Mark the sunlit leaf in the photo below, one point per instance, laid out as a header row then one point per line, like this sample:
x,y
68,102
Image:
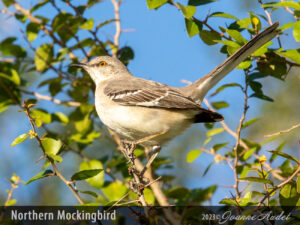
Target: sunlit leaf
x,y
257,179
192,27
220,104
19,139
40,175
228,201
43,56
114,190
154,4
98,180
209,37
223,15
215,131
88,25
51,145
192,155
288,195
287,156
187,10
32,31
249,122
291,4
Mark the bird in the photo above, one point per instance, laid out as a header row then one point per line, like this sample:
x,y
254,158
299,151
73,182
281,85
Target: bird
x,y
140,109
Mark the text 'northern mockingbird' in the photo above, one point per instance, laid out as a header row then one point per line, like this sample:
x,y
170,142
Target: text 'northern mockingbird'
x,y
136,108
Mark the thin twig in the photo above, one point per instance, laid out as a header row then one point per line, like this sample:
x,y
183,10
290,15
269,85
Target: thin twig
x,y
238,134
283,131
52,99
279,185
32,18
57,173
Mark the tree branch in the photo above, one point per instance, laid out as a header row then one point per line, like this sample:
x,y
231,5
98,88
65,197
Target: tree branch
x,y
116,5
57,172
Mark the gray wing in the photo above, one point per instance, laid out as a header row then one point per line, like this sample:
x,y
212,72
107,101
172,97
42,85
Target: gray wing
x,y
140,92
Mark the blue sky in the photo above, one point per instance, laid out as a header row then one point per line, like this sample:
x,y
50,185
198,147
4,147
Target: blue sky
x,y
164,53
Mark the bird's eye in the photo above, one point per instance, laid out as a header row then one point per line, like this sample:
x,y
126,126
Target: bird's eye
x,y
102,63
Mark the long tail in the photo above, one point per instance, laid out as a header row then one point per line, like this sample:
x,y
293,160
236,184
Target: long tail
x,y
199,88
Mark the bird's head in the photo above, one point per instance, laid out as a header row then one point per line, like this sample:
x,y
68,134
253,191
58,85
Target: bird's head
x,y
103,67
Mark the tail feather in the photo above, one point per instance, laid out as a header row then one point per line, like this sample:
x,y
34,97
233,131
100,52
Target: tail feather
x,y
199,88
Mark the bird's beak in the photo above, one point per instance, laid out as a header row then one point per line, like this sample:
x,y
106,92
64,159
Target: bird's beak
x,y
81,65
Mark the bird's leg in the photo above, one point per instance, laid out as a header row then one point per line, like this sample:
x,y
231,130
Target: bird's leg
x,y
155,151
128,150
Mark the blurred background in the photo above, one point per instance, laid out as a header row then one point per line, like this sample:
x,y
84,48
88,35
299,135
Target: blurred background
x,y
164,53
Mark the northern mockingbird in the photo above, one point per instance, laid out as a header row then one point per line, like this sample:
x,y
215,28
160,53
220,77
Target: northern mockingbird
x,y
137,108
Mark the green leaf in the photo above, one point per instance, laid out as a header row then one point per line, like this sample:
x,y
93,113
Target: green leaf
x,y
208,168
154,4
85,125
187,10
209,37
114,190
42,115
236,35
19,139
51,146
216,147
91,193
219,89
293,54
88,25
178,193
220,105
39,5
263,49
288,195
98,180
43,57
200,2
149,196
56,158
245,64
296,31
279,148
11,202
287,26
9,49
85,139
207,141
192,155
8,2
59,116
66,25
291,4
287,156
85,174
125,54
223,15
250,122
215,131
257,179
40,175
249,153
298,183
32,31
193,27
14,77
228,201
